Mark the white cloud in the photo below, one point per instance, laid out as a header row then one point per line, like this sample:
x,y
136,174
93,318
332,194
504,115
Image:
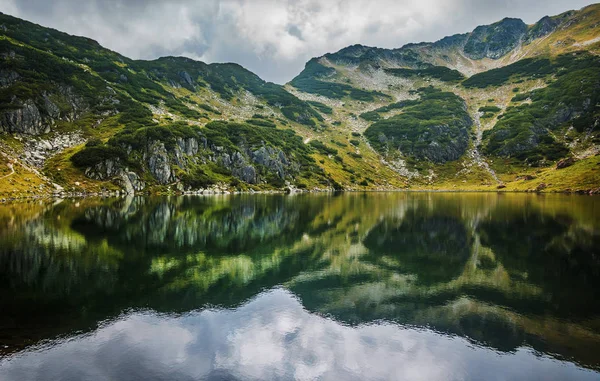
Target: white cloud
x,y
273,38
272,337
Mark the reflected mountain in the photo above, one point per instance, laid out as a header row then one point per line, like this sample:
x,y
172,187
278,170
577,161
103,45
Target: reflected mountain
x,y
431,246
503,271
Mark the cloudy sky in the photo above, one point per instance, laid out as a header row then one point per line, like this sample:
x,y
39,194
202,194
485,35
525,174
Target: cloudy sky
x,y
273,38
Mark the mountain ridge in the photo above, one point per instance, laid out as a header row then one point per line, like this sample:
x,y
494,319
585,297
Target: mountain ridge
x,y
78,118
543,27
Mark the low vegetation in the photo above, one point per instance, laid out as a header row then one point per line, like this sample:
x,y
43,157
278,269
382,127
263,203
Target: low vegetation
x,y
530,131
442,73
433,128
310,81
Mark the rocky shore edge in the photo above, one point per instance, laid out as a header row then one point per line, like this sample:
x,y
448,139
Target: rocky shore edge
x,y
288,190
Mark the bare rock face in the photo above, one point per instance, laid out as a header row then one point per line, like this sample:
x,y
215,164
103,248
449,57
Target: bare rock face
x,y
273,159
36,116
158,162
545,26
185,150
247,174
25,119
185,76
104,170
37,150
8,77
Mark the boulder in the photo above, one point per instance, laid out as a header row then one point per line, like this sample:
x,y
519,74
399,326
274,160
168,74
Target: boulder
x,y
564,163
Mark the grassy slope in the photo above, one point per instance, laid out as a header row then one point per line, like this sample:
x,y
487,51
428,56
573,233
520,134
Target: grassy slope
x,y
204,102
465,173
353,166
580,33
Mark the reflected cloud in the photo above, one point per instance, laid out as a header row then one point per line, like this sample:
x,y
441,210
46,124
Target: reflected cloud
x,y
505,272
272,337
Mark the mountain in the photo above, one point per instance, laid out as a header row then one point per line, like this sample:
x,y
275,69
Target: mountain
x,y
507,105
503,105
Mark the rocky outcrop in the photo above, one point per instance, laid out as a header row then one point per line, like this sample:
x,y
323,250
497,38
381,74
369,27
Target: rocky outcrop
x,y
185,76
37,116
243,166
131,182
496,40
158,162
239,166
184,149
105,170
545,26
37,150
8,77
273,159
24,118
114,170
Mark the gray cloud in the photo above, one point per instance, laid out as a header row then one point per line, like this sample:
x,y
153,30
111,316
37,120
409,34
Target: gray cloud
x,y
273,38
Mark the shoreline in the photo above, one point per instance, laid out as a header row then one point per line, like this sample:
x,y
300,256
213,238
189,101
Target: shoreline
x,y
115,194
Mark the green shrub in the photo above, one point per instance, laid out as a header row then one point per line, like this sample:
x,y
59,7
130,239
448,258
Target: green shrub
x,y
197,179
261,122
492,109
321,107
438,72
523,131
322,148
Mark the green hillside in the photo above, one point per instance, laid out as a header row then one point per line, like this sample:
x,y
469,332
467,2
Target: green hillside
x,y
504,106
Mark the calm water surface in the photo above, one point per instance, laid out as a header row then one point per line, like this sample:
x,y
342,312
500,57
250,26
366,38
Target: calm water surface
x,y
400,286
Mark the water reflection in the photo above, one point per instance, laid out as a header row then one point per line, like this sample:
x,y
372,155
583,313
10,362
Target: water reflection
x,y
273,337
518,274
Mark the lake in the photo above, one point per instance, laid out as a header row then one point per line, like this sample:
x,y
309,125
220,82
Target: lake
x,y
377,286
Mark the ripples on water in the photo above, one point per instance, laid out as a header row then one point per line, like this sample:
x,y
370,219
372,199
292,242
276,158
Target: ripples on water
x,y
401,286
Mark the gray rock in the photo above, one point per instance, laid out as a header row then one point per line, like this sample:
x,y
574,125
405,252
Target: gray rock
x,y
131,182
104,170
247,174
51,108
545,26
8,77
26,119
495,40
158,162
186,78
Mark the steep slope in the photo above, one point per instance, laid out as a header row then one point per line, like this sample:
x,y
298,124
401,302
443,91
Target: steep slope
x,y
529,90
507,105
486,47
77,116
